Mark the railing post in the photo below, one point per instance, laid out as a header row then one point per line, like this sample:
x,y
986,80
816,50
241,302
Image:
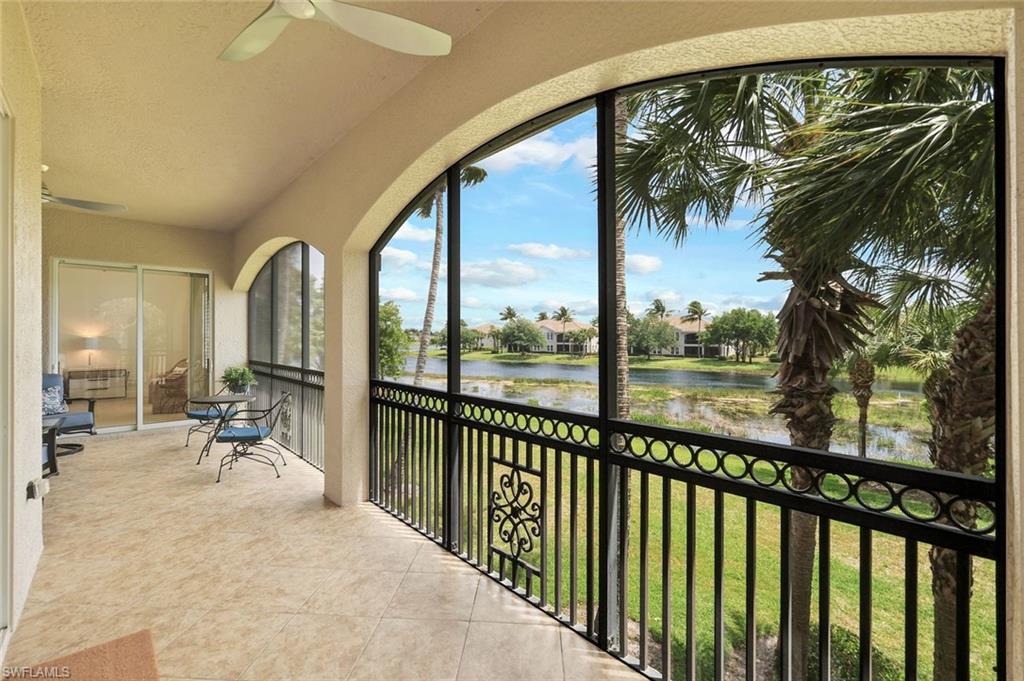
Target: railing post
x,y
609,496
453,443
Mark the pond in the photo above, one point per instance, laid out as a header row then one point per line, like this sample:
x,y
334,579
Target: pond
x,y
883,442
478,368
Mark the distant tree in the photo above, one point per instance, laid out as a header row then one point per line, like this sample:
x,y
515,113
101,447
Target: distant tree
x,y
392,341
658,309
495,336
695,311
580,338
747,332
594,321
521,335
541,316
508,314
469,339
649,334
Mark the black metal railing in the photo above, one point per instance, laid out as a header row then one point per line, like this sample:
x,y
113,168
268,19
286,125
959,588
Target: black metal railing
x,y
671,549
301,426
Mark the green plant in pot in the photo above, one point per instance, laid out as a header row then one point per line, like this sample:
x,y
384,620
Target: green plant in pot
x,y
238,379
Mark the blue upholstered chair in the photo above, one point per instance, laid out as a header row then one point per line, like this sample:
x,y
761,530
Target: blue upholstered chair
x,y
75,422
248,432
206,417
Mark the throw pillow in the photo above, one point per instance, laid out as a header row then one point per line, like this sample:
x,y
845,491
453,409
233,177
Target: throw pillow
x,y
53,401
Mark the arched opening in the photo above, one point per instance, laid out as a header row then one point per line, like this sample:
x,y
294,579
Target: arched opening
x,y
286,344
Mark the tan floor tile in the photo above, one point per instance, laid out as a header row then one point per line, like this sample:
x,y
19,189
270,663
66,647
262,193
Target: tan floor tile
x,y
495,603
273,589
424,595
313,648
356,593
583,661
511,652
433,558
58,629
221,645
412,650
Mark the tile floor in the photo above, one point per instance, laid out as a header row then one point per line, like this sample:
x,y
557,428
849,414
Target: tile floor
x,y
260,579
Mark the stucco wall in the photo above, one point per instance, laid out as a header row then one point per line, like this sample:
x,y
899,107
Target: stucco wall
x,y
20,82
74,234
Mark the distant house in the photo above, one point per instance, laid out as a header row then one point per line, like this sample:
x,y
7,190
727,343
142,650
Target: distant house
x,y
554,333
688,339
486,342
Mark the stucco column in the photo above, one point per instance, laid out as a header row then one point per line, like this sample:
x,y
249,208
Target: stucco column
x,y
346,393
1014,469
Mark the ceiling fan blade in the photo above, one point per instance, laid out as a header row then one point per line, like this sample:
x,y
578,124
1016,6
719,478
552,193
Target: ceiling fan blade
x,y
386,30
258,35
97,206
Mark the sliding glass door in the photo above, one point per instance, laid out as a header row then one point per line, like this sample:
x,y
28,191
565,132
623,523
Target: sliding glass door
x,y
98,340
134,339
175,347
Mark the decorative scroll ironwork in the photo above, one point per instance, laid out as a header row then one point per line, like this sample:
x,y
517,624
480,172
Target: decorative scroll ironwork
x,y
969,513
516,513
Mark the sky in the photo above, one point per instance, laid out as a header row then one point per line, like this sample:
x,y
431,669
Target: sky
x,y
529,240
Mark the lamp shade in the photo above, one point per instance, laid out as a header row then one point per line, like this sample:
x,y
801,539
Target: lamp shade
x,y
91,343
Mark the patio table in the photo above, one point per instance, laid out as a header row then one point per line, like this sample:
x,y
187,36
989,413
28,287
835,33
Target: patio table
x,y
222,403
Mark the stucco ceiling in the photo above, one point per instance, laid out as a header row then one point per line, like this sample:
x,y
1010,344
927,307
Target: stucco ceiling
x,y
138,110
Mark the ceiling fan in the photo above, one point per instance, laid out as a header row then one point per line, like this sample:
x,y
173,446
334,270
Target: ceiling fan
x,y
386,30
97,206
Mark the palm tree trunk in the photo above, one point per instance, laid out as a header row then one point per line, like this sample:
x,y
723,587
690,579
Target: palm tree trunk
x,y
862,376
962,406
435,274
806,403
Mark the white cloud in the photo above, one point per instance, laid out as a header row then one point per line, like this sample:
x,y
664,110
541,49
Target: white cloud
x,y
399,293
397,256
472,302
548,251
642,264
544,150
501,273
667,297
412,233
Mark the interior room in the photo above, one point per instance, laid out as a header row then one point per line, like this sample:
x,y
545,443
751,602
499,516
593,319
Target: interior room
x,y
496,340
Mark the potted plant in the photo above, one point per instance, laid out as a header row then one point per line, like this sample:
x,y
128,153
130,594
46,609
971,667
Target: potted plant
x,y
238,379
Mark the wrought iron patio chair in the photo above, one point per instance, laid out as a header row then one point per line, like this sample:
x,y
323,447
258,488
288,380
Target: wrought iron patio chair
x,y
207,416
248,432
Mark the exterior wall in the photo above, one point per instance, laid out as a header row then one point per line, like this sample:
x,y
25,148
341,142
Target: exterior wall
x,y
528,58
74,234
19,80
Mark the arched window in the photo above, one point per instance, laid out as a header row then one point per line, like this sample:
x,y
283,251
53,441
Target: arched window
x,y
286,344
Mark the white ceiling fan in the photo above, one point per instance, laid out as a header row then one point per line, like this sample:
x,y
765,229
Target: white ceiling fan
x,y
97,206
386,30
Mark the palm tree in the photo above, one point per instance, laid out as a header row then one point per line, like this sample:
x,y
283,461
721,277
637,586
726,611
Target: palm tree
x,y
862,376
434,204
699,148
658,309
562,314
695,311
508,314
900,183
541,316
